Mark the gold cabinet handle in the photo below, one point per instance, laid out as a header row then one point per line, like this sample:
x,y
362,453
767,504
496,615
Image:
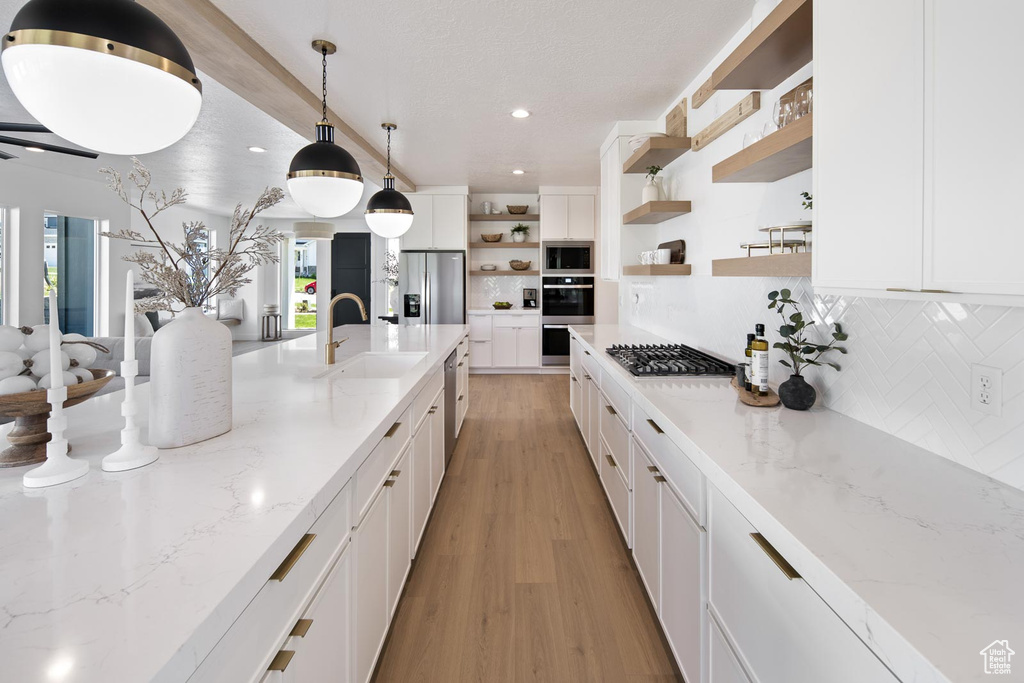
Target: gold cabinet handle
x,y
654,426
301,628
586,352
459,365
394,428
776,557
652,469
293,557
461,397
389,483
660,479
395,473
586,376
572,378
281,660
610,409
611,460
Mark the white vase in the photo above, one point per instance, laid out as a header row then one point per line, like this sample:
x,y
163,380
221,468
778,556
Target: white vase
x,y
519,237
190,383
652,191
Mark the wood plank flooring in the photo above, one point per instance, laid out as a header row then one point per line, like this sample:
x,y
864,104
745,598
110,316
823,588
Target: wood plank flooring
x,y
522,574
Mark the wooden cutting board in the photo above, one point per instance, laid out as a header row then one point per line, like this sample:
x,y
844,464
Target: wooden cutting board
x,y
769,401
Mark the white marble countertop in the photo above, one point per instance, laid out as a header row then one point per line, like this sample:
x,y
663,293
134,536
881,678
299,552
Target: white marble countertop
x,y
515,311
921,557
134,576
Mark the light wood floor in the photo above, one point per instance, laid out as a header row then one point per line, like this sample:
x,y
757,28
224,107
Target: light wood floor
x,y
522,574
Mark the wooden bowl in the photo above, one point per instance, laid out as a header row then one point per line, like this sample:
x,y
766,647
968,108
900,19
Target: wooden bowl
x,y
517,209
502,307
495,237
31,410
520,265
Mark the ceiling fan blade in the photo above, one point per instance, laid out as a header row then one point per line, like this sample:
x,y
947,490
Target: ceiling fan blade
x,y
4,156
23,128
48,147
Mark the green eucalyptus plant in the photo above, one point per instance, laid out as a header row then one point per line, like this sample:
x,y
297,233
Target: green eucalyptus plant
x,y
808,201
801,351
653,171
520,227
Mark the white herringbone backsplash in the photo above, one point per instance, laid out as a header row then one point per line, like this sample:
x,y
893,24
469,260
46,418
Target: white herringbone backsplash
x,y
484,291
908,369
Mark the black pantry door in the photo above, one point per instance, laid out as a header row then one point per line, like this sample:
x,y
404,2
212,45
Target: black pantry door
x,y
350,272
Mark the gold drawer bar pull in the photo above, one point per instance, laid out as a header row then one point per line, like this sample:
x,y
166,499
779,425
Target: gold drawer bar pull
x,y
586,376
293,557
395,473
394,428
460,365
572,378
611,460
652,468
281,660
660,479
610,410
462,397
586,352
776,557
301,628
389,483
654,426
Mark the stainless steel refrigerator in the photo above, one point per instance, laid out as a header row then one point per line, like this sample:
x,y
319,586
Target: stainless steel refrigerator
x,y
432,287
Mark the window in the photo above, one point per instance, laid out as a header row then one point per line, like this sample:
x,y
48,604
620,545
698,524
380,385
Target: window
x,y
204,248
391,274
69,265
300,285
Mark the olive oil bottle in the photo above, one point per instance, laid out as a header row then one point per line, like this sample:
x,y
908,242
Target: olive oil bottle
x,y
746,384
759,361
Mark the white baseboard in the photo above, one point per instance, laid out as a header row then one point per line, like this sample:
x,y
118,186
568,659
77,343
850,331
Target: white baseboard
x,y
547,370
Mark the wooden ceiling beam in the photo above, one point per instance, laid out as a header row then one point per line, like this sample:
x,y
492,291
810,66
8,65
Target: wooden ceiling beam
x,y
222,50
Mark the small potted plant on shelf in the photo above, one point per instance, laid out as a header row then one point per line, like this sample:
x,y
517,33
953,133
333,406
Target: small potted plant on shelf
x,y
520,231
652,190
795,392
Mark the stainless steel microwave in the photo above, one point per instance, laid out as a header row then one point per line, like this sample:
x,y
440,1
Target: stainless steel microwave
x,y
567,258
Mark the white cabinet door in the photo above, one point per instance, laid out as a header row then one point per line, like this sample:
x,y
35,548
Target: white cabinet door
x,y
682,603
647,524
399,529
554,217
479,354
723,667
611,211
325,651
575,398
581,217
449,221
973,239
422,491
528,347
421,234
437,445
503,347
575,357
479,326
868,188
595,418
371,586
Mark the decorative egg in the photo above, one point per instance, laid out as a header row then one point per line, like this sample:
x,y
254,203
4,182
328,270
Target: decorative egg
x,y
70,380
83,353
17,385
39,338
11,364
10,338
82,374
41,362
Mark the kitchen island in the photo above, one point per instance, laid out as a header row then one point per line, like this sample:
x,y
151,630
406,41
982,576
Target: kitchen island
x,y
136,576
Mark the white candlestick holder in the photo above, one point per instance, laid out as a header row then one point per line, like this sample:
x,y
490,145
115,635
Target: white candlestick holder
x,y
58,468
132,453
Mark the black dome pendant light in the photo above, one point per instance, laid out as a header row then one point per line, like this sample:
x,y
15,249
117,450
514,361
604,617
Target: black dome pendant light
x,y
108,75
389,213
323,178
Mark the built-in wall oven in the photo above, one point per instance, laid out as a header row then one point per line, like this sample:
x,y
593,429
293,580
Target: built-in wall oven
x,y
565,300
567,257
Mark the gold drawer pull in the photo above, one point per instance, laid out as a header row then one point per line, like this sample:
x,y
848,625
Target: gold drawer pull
x,y
660,479
394,428
462,397
652,468
301,628
586,376
572,378
395,473
776,557
610,410
389,483
586,352
611,460
281,660
654,426
293,557
459,365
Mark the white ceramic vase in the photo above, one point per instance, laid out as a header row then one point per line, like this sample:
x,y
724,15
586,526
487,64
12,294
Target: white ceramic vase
x,y
519,237
652,191
190,383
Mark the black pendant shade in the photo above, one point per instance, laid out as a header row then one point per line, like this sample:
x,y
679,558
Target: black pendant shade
x,y
388,199
324,158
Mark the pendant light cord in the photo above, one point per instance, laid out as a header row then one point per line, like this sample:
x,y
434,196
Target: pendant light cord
x,y
323,51
389,150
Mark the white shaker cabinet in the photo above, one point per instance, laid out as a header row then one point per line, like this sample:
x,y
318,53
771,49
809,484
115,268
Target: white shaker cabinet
x,y
399,529
437,445
567,217
422,481
322,640
515,340
439,222
647,523
420,234
370,543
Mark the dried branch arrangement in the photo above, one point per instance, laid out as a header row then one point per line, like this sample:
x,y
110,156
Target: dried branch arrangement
x,y
190,272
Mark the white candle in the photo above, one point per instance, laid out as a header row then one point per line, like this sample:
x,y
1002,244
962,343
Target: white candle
x,y
56,369
129,318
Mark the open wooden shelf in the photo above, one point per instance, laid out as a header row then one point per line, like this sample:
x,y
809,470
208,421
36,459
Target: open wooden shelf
x,y
773,51
655,212
656,152
504,245
779,155
508,217
482,273
773,265
655,270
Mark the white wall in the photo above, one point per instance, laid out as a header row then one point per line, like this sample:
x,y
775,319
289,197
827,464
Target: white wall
x,y
908,369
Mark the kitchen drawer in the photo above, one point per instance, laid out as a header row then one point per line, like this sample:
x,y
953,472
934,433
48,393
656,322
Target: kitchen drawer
x,y
617,395
425,400
376,468
778,625
673,463
615,434
516,320
723,666
613,477
592,367
245,651
479,326
479,354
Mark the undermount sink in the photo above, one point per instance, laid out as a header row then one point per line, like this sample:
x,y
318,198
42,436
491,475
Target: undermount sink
x,y
376,365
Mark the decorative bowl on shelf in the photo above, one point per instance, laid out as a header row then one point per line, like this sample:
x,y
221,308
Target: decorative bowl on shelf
x,y
495,237
517,209
30,411
516,264
502,305
488,267
637,141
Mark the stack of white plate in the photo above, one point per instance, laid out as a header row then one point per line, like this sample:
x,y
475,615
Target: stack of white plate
x,y
637,141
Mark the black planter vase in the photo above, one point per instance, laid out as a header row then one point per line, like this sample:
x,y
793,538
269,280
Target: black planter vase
x,y
796,393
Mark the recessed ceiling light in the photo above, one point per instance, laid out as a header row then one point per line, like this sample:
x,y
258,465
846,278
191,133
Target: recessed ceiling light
x,y
37,150
258,150
520,113
518,171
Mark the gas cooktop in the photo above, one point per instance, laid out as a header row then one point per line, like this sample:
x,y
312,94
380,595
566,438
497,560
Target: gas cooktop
x,y
668,360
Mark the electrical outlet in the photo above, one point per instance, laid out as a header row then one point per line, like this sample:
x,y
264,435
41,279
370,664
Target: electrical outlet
x,y
987,390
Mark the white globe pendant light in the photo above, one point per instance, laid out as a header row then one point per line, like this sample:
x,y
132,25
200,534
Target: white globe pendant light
x,y
108,75
323,178
389,213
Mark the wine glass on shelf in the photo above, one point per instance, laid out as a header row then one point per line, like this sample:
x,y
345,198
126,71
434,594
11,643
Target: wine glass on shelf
x,y
777,117
750,138
802,101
